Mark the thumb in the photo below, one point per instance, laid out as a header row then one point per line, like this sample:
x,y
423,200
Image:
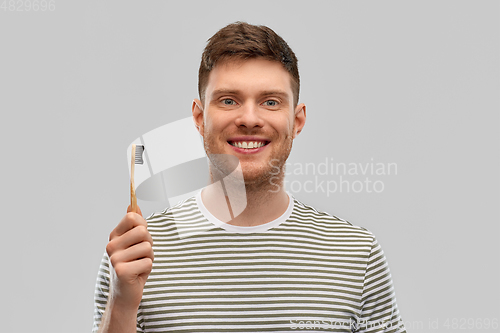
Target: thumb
x,y
129,209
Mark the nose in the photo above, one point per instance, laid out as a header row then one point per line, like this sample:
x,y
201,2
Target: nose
x,y
249,116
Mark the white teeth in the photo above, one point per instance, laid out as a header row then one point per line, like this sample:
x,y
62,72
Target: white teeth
x,y
248,145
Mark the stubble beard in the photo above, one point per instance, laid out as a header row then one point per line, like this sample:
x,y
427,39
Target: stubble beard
x,y
258,178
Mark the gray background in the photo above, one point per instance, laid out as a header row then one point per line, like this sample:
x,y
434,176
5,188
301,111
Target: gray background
x,y
413,83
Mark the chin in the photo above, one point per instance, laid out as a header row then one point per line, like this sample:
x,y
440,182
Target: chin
x,y
261,176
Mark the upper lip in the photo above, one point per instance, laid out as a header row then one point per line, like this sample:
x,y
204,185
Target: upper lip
x,y
247,139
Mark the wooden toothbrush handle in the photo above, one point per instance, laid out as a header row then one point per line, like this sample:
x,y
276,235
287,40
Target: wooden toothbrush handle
x,y
133,199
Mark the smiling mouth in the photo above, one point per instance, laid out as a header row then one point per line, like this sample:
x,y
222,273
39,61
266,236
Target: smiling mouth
x,y
248,144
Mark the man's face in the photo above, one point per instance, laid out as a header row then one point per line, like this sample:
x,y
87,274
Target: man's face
x,y
249,113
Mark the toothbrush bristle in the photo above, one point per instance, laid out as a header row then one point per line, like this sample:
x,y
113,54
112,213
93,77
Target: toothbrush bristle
x,y
139,149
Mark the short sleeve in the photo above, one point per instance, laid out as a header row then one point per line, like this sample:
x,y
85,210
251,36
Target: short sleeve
x,y
102,292
379,312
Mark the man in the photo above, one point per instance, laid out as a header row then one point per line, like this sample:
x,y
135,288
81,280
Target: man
x,y
274,265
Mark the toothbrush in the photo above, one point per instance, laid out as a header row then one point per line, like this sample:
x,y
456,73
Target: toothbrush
x,y
136,158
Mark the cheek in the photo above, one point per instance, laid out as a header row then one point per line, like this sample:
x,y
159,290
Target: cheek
x,y
213,132
288,127
208,127
216,124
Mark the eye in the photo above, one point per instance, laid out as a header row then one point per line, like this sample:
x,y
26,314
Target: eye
x,y
271,102
228,101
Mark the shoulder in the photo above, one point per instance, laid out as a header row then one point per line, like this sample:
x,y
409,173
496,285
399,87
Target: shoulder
x,y
181,220
186,210
307,215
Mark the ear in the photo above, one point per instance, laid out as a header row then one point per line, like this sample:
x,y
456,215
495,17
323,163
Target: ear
x,y
197,111
300,119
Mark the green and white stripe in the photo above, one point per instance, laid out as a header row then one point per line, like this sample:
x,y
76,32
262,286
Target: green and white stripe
x,y
306,271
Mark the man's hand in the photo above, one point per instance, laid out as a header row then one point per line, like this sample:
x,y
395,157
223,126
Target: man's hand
x,y
130,250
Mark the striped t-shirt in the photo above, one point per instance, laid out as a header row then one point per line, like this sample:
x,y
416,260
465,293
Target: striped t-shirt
x,y
305,271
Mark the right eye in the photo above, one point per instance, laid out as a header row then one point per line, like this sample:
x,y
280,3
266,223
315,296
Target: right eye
x,y
228,101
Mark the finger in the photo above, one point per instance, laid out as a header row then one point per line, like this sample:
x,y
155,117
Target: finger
x,y
136,252
128,222
134,236
129,209
129,271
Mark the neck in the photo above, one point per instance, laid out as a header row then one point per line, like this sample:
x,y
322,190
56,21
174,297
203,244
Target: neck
x,y
247,204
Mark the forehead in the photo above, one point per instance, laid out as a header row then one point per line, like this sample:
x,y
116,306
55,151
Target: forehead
x,y
249,76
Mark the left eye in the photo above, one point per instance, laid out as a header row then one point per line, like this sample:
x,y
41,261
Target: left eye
x,y
271,103
228,101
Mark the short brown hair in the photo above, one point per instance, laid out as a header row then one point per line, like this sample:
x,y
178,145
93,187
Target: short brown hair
x,y
241,40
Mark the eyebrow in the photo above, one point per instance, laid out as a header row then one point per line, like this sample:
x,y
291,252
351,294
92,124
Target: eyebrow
x,y
224,92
